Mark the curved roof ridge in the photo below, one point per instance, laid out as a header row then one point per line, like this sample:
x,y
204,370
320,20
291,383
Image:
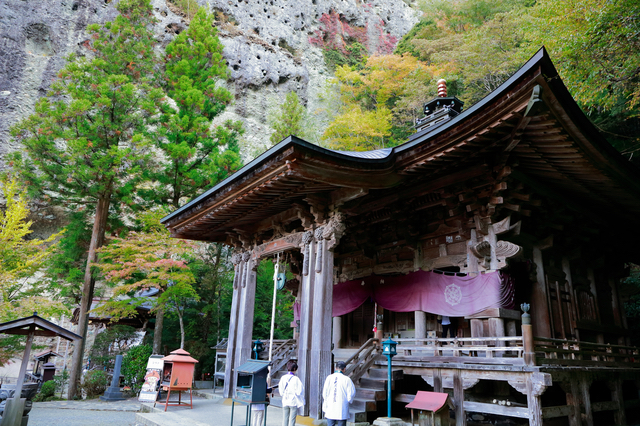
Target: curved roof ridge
x,y
373,154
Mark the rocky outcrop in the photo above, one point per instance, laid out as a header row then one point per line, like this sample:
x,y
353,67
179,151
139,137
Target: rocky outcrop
x,y
266,44
35,38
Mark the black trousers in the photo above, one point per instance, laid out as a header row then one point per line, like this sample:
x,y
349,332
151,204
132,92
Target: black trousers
x,y
447,328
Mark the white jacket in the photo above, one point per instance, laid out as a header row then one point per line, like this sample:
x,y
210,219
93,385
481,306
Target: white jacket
x,y
338,393
291,390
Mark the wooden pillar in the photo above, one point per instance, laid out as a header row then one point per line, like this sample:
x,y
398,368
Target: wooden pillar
x,y
25,362
321,321
573,315
619,415
437,380
586,400
539,306
617,317
496,329
229,377
421,325
337,332
511,328
306,312
458,396
245,312
533,403
573,400
527,341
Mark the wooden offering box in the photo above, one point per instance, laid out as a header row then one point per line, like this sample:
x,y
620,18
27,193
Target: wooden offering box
x,y
178,376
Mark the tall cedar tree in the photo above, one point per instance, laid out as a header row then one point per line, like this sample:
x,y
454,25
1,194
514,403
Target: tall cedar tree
x,y
86,145
289,119
197,157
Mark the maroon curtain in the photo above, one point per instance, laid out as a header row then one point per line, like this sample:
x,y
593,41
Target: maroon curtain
x,y
432,292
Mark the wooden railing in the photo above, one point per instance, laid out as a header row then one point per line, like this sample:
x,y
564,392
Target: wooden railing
x,y
573,352
474,347
361,361
282,353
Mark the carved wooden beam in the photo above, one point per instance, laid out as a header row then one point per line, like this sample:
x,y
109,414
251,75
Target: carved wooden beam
x,y
288,242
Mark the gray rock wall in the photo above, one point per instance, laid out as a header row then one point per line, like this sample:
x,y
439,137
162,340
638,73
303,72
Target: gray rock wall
x,y
266,44
35,38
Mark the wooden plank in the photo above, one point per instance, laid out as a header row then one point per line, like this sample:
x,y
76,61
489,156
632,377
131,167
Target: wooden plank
x,y
499,410
458,396
496,313
557,411
606,406
586,363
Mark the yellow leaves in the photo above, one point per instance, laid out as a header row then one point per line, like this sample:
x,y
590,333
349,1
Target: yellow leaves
x,y
20,258
383,78
376,98
358,130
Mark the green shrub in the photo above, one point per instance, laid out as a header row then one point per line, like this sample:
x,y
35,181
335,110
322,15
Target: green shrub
x,y
95,383
134,366
47,390
61,381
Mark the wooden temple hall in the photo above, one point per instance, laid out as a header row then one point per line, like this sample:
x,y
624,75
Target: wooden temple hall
x,y
516,200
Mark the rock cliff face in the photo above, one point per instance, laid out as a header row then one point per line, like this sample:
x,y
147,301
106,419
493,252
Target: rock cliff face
x,y
267,46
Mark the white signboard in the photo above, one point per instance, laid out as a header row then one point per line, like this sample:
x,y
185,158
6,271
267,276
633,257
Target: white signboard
x,y
149,391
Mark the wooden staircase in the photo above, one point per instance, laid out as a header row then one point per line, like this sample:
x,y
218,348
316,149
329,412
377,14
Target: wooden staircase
x,y
371,394
370,380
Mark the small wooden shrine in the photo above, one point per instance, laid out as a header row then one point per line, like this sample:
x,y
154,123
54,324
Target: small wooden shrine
x,y
177,376
516,201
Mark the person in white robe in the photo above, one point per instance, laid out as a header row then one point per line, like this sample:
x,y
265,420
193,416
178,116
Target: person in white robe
x,y
292,392
338,393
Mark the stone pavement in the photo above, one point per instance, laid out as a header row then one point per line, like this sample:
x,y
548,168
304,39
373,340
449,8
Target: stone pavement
x,y
208,409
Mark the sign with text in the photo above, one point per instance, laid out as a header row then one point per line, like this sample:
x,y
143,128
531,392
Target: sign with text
x,y
149,391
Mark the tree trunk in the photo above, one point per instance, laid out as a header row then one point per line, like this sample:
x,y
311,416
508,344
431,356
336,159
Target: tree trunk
x,y
157,332
97,239
181,328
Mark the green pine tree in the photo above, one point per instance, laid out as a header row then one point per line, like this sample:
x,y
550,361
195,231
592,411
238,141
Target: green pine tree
x,y
197,156
87,144
289,119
